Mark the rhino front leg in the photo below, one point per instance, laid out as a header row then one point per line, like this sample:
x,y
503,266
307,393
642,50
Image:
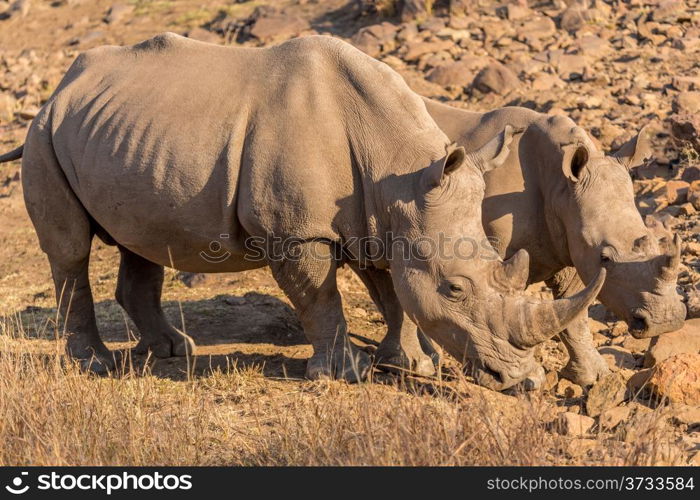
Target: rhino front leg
x,y
139,292
585,364
402,349
309,280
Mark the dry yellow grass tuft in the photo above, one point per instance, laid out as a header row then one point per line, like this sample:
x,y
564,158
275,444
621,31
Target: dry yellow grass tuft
x,y
52,414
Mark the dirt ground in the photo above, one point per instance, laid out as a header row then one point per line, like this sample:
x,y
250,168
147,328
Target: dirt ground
x,y
242,323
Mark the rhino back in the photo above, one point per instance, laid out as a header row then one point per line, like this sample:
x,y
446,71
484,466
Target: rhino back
x,y
171,143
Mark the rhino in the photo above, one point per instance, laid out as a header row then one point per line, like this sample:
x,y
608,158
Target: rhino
x,y
572,208
166,146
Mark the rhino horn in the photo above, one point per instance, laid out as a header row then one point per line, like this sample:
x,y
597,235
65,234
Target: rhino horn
x,y
671,260
539,321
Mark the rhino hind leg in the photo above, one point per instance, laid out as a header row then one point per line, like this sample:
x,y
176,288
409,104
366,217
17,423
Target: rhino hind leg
x,y
65,235
402,350
309,280
139,292
585,365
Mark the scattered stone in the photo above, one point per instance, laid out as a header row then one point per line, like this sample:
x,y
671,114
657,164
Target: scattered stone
x,y
412,10
686,414
678,379
270,26
677,192
685,340
568,389
612,417
456,74
418,48
375,39
686,102
573,424
193,280
637,383
18,8
572,19
28,113
606,393
496,78
618,357
8,104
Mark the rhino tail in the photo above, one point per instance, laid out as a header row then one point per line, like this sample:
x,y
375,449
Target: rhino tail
x,y
15,154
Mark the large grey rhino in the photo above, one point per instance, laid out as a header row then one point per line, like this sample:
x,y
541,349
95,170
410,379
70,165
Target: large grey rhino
x,y
165,146
572,208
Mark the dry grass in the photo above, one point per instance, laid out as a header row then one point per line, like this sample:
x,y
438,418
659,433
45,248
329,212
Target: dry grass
x,y
52,414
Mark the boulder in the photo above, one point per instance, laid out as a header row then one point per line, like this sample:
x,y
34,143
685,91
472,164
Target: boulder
x,y
605,394
678,379
496,78
685,340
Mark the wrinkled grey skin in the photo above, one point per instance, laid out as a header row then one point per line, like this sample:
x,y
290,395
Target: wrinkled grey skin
x,y
162,147
572,208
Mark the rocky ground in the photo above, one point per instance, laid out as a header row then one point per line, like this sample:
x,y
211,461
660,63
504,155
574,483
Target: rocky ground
x,y
613,66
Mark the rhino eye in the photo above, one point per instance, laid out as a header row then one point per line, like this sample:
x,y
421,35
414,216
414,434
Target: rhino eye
x,y
454,290
606,256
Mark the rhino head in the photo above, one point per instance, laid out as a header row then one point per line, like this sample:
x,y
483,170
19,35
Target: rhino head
x,y
591,205
455,286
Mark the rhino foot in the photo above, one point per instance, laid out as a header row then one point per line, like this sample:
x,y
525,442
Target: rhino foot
x,y
166,346
349,364
587,371
93,357
399,361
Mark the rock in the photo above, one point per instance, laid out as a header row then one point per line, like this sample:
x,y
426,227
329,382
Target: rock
x,y
568,389
418,48
685,340
685,83
605,394
203,35
193,280
678,379
618,329
547,82
573,424
693,303
456,74
571,66
89,39
685,414
8,104
515,11
18,8
117,13
611,418
637,383
685,128
460,7
270,26
618,357
412,10
677,192
668,11
375,39
496,78
536,29
572,19
694,193
686,102
28,113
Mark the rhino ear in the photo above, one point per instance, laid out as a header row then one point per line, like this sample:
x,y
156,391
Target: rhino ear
x,y
495,152
454,159
636,150
575,160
